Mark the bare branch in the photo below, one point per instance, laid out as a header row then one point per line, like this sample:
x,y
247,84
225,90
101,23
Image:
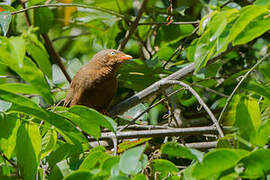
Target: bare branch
x,y
207,109
55,56
132,27
158,133
154,88
165,23
202,145
238,85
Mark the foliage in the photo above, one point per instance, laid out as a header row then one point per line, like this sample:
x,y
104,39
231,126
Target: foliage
x,y
41,140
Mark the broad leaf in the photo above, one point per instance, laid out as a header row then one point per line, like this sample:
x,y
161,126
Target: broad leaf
x,y
129,161
256,164
217,161
80,174
28,148
164,167
177,150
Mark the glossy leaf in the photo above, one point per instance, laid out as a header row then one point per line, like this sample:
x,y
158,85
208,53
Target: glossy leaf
x,y
129,161
255,28
92,115
217,161
164,167
41,57
247,14
80,174
28,148
25,105
14,56
93,160
177,150
43,18
19,88
247,117
8,134
48,142
256,164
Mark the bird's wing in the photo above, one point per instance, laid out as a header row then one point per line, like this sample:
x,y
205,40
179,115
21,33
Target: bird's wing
x,y
77,87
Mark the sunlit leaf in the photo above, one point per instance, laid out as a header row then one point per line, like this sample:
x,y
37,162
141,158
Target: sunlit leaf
x,y
28,148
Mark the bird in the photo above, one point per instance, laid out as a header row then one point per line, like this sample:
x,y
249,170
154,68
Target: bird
x,y
95,84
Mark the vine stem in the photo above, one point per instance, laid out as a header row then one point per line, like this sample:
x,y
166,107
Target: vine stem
x,y
238,85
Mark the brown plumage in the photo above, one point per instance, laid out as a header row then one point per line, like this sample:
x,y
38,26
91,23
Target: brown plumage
x,y
95,84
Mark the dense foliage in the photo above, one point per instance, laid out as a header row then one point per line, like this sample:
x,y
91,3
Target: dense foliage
x,y
228,42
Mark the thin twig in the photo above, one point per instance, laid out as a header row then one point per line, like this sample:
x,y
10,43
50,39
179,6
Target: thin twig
x,y
238,85
133,26
27,18
226,3
8,160
197,96
70,5
165,23
55,56
211,90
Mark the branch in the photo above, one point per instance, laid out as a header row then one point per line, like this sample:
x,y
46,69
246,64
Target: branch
x,y
154,88
207,109
165,23
8,160
158,133
132,27
55,55
69,5
238,85
202,145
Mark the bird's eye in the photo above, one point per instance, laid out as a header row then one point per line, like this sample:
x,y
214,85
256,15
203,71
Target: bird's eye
x,y
112,53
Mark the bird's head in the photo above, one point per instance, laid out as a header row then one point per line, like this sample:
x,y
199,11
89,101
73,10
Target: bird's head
x,y
110,57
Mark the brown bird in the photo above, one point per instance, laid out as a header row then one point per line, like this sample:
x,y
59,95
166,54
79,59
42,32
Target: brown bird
x,y
95,84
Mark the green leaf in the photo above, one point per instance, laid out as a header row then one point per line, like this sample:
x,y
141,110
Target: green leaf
x,y
5,19
254,29
260,89
48,142
139,177
164,167
19,88
4,106
12,54
247,117
261,2
18,45
41,57
177,150
129,161
28,148
256,164
9,133
261,137
93,160
109,163
80,174
25,105
43,18
247,14
63,151
216,161
92,115
119,178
